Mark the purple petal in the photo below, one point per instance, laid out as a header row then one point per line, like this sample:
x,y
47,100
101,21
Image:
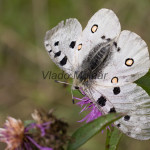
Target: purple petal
x,y
37,145
42,127
88,105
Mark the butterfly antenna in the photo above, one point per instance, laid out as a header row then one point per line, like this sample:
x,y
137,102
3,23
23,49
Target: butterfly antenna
x,y
72,97
71,89
62,82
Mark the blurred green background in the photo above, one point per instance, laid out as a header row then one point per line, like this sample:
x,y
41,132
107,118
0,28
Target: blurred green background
x,y
23,24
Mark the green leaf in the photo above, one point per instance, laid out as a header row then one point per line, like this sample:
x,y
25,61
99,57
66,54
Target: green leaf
x,y
144,82
87,131
113,138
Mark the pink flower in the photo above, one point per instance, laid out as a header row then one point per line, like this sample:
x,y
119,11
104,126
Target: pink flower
x,y
19,137
12,134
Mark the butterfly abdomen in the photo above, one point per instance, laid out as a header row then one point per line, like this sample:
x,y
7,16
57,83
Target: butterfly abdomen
x,y
98,57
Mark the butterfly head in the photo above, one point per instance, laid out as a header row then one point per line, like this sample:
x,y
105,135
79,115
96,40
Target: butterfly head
x,y
76,84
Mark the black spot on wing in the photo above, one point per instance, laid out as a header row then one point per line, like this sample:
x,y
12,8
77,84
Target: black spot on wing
x,y
129,133
57,54
108,39
56,43
47,45
112,110
103,37
72,44
116,90
115,43
118,125
118,49
49,51
102,101
63,61
127,118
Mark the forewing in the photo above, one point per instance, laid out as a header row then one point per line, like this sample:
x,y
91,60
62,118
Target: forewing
x,y
60,43
103,27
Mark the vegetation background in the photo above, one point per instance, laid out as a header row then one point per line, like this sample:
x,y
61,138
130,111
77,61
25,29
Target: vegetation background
x,y
23,24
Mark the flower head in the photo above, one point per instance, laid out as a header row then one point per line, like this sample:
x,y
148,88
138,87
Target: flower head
x,y
87,105
13,133
46,133
53,131
17,136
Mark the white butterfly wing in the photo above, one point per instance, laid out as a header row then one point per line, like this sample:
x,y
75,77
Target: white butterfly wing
x,y
60,43
129,60
129,99
102,27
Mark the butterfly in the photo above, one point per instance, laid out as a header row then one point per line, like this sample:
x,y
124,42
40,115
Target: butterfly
x,y
102,48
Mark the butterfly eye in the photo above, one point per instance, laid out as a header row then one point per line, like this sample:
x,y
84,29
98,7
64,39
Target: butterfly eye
x,y
79,47
94,28
129,62
114,80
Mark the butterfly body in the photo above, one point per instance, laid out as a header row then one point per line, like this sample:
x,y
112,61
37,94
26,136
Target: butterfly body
x,y
92,65
103,49
94,62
